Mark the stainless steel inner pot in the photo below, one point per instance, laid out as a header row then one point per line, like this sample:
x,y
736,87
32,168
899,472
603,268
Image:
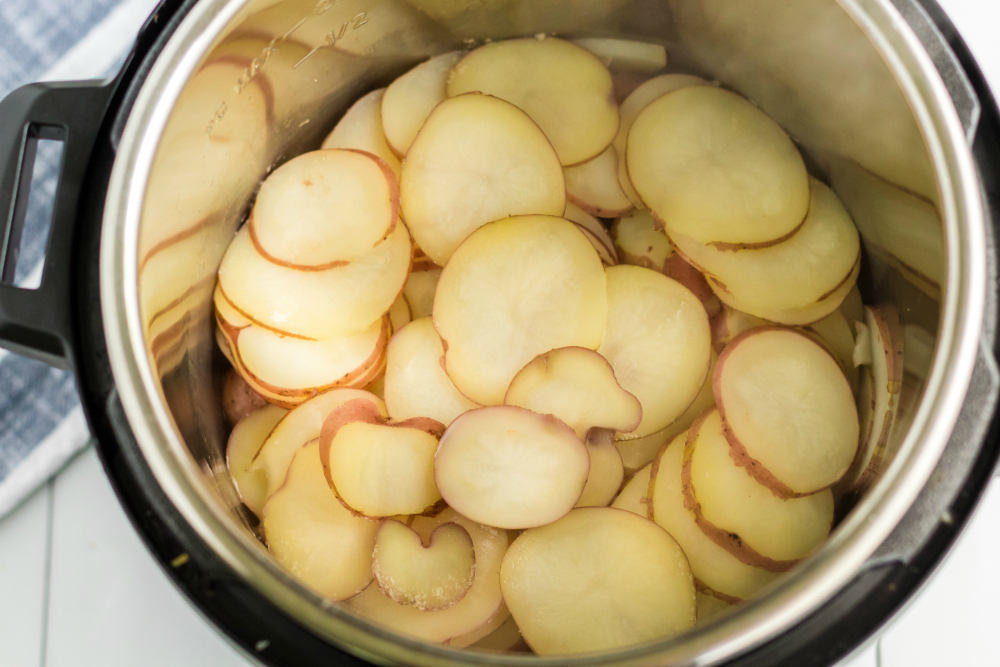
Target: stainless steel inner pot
x,y
243,85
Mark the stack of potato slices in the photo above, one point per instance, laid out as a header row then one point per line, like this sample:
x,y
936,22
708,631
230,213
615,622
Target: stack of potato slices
x,y
544,371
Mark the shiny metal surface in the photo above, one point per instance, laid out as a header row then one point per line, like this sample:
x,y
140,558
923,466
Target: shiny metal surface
x,y
241,86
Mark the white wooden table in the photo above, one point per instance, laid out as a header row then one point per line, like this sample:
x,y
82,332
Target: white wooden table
x,y
78,589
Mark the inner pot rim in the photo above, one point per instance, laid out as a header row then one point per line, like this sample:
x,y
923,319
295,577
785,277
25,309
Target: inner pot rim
x,y
795,596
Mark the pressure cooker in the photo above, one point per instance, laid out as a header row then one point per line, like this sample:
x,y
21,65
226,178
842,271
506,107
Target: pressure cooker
x,y
160,165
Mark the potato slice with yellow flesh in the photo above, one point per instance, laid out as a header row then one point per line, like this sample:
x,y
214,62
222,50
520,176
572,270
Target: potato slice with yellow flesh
x,y
625,55
245,441
419,291
636,101
506,638
835,332
634,496
411,98
717,169
743,516
640,243
476,159
415,382
599,235
316,538
637,452
399,313
324,209
655,329
517,288
379,469
800,271
300,426
564,88
429,577
594,187
712,565
578,386
598,579
606,470
509,467
361,128
238,397
788,410
285,299
710,605
729,323
481,603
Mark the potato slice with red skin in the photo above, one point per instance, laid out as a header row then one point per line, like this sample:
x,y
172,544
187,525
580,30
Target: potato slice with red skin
x,y
594,187
562,87
834,331
415,382
475,160
456,625
743,516
411,98
300,426
324,209
284,299
509,467
517,288
717,169
430,577
634,494
595,231
419,291
640,243
361,128
636,101
379,469
245,441
598,579
318,540
606,470
625,55
787,409
238,398
399,313
577,386
712,565
506,639
729,323
656,329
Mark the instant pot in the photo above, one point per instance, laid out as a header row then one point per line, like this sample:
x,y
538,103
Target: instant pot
x,y
161,163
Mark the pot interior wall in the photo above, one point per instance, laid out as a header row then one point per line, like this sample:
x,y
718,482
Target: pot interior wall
x,y
284,72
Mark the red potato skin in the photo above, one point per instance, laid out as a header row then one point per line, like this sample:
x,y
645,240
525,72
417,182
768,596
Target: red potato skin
x,y
393,184
704,589
596,210
679,269
238,398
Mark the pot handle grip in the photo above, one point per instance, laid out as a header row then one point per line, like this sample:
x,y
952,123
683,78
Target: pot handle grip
x,y
37,323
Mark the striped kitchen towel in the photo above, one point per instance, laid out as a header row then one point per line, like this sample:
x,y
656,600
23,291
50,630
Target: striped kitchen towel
x,y
41,422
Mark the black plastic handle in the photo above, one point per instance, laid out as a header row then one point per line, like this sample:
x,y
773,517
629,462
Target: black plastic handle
x,y
37,323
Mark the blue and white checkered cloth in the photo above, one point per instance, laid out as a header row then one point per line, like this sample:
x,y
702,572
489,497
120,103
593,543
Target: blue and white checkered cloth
x,y
41,422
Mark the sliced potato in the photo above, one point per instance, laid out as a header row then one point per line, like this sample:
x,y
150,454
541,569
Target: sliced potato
x,y
717,169
506,638
316,538
379,469
415,382
577,386
634,495
852,306
409,100
238,398
729,323
801,271
636,101
517,288
606,470
481,603
564,88
353,296
430,577
594,187
475,160
640,243
625,55
399,313
655,329
576,214
324,209
361,128
835,332
299,426
712,565
419,291
710,605
511,468
596,580
245,441
743,516
787,409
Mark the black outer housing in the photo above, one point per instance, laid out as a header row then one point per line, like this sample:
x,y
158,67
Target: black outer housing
x,y
274,638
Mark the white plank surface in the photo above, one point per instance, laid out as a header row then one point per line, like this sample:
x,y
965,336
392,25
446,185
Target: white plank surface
x,y
24,538
110,605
